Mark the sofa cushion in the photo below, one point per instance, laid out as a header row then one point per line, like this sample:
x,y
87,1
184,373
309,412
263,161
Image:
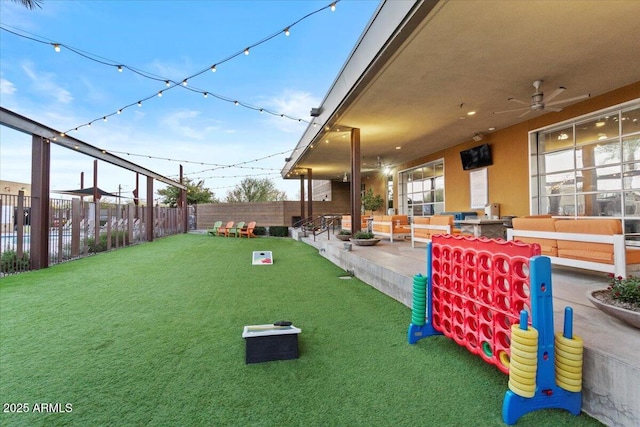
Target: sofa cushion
x,y
548,247
599,252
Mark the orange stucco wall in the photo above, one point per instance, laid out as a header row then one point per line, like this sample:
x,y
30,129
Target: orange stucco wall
x,y
508,177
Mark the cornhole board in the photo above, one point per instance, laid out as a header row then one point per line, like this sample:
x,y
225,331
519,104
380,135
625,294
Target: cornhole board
x,y
262,258
265,343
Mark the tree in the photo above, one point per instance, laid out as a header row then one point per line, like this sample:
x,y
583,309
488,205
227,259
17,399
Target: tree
x,y
30,4
255,190
196,193
371,202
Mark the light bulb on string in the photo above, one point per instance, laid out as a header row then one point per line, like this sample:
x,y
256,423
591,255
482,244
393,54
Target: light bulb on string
x,y
139,103
104,119
246,51
333,7
286,32
184,82
236,102
213,68
56,47
167,83
119,68
160,94
205,94
119,111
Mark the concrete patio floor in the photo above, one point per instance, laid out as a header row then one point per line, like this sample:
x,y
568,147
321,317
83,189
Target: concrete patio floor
x,y
611,372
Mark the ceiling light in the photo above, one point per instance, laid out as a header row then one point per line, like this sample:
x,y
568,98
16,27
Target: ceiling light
x,y
600,124
492,129
398,147
471,113
345,178
602,136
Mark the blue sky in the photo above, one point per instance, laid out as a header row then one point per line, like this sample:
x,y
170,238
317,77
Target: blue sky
x,y
173,40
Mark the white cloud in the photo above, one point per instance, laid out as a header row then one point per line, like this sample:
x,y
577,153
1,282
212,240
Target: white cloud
x,y
45,84
293,104
6,87
188,124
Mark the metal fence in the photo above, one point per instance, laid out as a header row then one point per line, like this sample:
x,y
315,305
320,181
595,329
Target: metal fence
x,y
77,229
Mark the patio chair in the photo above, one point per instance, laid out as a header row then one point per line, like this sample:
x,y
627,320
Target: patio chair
x,y
223,230
235,230
248,230
214,229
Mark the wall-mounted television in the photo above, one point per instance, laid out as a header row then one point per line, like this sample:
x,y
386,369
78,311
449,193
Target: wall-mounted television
x,y
476,157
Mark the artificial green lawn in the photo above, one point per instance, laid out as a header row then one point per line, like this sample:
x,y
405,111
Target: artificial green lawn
x,y
151,335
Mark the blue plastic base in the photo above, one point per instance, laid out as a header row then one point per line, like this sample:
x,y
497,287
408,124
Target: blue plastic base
x,y
416,333
514,406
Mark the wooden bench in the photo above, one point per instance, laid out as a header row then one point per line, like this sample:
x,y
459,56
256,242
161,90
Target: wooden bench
x,y
424,227
592,244
391,226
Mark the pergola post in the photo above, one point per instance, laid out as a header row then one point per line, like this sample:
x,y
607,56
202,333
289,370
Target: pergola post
x,y
149,212
302,217
309,193
356,199
40,167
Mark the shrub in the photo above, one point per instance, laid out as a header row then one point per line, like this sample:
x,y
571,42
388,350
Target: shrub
x,y
278,231
260,231
625,290
363,235
101,246
345,232
10,262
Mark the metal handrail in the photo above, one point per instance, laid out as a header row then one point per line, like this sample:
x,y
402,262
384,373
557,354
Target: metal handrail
x,y
318,224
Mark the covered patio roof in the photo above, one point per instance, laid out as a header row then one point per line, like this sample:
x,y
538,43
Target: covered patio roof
x,y
421,67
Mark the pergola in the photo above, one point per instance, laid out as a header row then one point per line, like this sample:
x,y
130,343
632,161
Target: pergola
x,y
42,137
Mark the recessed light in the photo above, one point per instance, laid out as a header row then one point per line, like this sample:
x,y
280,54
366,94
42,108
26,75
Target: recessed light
x,y
398,147
471,113
492,129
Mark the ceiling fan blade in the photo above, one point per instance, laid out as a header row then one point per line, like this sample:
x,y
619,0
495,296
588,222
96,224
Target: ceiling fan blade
x,y
518,101
575,98
511,111
525,113
555,93
554,109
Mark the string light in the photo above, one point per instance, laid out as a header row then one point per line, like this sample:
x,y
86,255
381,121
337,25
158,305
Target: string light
x,y
104,118
205,94
333,7
160,94
167,82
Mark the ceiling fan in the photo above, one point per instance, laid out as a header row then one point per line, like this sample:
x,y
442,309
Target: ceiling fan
x,y
539,102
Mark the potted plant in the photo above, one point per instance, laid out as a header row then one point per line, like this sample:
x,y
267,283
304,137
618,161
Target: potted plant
x,y
621,299
371,203
364,238
344,235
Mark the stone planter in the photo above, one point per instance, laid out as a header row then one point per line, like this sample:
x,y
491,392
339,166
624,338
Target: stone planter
x,y
631,318
343,237
365,242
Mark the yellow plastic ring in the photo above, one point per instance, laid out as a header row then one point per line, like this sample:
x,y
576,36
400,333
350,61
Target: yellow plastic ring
x,y
520,392
569,364
503,357
575,342
520,380
524,347
568,387
572,350
521,333
523,371
570,381
517,359
530,342
567,355
564,367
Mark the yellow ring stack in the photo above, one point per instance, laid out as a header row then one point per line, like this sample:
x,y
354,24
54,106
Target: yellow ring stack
x,y
524,361
568,353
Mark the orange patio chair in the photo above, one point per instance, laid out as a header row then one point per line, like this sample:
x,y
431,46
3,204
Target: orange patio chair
x,y
224,231
248,230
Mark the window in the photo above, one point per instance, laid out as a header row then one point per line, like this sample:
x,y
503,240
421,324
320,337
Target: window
x,y
421,190
590,167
